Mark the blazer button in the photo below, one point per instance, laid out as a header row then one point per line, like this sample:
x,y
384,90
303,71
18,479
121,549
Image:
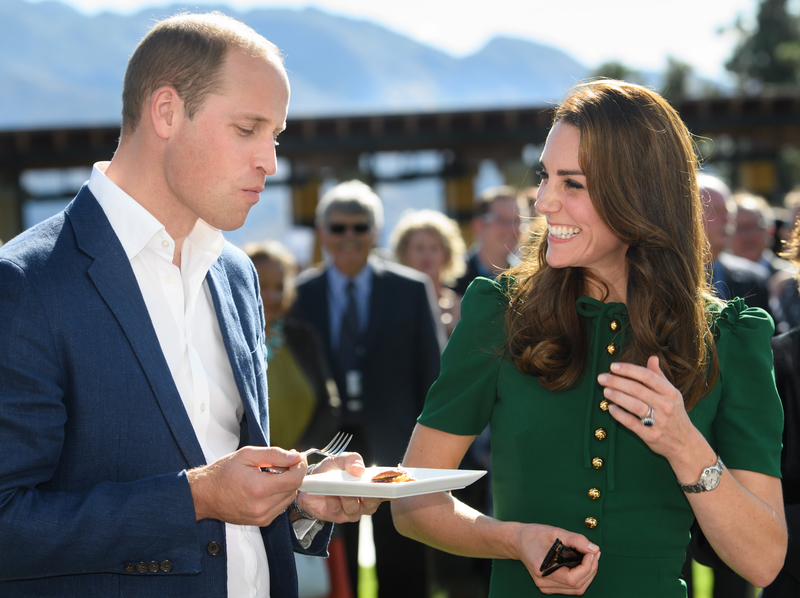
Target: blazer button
x,y
590,522
129,568
612,348
153,566
604,405
600,433
594,493
141,567
214,548
166,566
613,325
597,462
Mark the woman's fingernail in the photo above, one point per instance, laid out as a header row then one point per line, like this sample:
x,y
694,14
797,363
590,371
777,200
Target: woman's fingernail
x,y
602,378
593,547
614,367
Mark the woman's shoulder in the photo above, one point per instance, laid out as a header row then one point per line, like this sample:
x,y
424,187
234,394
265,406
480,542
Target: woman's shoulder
x,y
734,318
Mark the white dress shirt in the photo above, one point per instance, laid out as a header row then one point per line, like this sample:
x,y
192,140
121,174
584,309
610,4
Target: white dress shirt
x,y
182,312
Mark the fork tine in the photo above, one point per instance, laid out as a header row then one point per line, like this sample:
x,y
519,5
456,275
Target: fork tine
x,y
332,443
334,449
343,444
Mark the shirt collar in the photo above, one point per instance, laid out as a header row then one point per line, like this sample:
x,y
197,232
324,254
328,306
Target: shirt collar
x,y
135,226
338,280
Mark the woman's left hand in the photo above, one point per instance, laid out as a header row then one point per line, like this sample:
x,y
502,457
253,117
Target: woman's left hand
x,y
632,390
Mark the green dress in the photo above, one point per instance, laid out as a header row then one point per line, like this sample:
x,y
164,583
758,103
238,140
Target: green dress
x,y
559,458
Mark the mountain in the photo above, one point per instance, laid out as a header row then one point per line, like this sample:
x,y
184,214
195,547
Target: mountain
x,y
59,67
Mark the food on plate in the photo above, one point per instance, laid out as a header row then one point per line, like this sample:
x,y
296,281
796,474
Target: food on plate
x,y
392,476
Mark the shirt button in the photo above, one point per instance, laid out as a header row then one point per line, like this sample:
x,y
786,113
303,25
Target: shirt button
x,y
202,407
612,349
613,325
214,548
604,405
594,493
165,243
590,522
597,462
170,278
600,433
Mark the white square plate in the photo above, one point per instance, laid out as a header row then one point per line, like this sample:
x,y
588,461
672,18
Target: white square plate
x,y
426,481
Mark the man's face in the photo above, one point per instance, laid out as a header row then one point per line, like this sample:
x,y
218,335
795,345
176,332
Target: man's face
x,y
500,228
216,164
750,239
717,220
348,238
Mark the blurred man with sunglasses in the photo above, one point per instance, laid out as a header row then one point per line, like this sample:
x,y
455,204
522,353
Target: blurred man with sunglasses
x,y
383,344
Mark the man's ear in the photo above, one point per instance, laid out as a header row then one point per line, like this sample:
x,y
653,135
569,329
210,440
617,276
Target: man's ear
x,y
166,111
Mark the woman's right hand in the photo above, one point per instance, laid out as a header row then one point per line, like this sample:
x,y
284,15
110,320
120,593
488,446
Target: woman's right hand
x,y
535,540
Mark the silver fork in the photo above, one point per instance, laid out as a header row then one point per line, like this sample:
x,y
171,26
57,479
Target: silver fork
x,y
334,448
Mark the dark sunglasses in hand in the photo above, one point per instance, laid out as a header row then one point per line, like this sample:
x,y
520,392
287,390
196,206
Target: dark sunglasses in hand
x,y
339,228
560,556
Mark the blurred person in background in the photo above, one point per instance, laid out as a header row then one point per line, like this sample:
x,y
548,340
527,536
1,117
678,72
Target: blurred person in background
x,y
786,351
754,234
732,276
499,221
430,242
383,342
303,399
304,402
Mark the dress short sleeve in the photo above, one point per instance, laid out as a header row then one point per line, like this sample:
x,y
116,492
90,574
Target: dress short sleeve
x,y
461,399
749,422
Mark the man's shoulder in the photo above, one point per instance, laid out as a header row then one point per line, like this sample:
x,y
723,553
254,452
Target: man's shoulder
x,y
36,244
310,276
388,270
743,268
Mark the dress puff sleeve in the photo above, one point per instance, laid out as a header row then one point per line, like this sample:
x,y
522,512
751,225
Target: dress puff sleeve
x,y
749,422
461,399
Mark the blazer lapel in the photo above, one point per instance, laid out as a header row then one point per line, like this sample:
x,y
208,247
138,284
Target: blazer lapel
x,y
115,281
238,353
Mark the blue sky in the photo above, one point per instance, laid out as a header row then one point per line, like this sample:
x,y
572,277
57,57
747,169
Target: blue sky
x,y
641,34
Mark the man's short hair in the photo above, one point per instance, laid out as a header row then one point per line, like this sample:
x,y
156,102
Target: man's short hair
x,y
484,201
187,51
713,183
352,197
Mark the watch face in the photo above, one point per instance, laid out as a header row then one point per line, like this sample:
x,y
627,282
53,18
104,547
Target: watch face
x,y
711,477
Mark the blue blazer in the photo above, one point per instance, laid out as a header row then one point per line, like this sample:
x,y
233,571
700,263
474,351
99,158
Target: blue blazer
x,y
94,439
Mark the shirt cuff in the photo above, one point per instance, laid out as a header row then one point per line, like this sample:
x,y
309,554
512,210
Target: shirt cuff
x,y
306,530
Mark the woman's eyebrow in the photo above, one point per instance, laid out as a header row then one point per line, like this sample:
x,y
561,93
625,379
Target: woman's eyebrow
x,y
570,173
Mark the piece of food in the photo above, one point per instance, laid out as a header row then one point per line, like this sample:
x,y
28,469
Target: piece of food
x,y
392,476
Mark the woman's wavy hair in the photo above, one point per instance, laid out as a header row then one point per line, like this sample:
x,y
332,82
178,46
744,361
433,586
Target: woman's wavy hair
x,y
640,166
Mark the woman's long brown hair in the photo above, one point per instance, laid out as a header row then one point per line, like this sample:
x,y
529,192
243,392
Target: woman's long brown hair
x,y
640,167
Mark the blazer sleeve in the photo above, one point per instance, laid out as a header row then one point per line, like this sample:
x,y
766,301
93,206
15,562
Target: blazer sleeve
x,y
51,521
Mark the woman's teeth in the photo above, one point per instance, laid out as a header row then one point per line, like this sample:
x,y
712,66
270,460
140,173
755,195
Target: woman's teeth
x,y
563,232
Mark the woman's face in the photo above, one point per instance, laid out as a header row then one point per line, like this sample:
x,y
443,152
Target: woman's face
x,y
426,253
271,278
577,236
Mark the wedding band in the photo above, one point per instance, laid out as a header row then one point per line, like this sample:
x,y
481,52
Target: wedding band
x,y
648,420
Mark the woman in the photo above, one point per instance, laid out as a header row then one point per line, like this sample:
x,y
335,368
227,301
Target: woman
x,y
430,242
786,349
609,375
303,401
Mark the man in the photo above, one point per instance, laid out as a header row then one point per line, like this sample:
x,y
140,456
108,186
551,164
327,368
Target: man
x,y
132,363
377,325
755,234
499,222
733,276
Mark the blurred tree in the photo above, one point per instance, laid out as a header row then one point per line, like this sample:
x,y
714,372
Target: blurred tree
x,y
676,78
770,54
614,69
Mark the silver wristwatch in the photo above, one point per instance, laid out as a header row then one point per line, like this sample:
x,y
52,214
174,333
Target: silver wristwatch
x,y
708,481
